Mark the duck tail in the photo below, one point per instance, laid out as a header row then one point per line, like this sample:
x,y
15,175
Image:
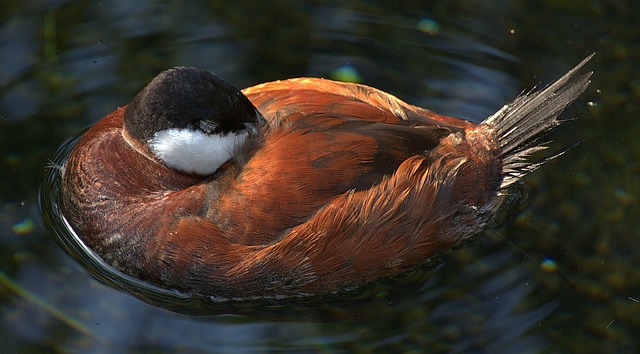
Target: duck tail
x,y
523,126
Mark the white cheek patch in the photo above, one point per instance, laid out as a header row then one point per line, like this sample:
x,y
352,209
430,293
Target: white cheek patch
x,y
194,151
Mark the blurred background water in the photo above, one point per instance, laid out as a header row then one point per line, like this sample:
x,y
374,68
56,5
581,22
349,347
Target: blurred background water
x,y
65,64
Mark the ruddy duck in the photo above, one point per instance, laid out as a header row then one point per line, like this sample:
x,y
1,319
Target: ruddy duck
x,y
301,186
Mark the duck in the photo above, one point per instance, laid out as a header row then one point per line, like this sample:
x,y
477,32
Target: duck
x,y
303,186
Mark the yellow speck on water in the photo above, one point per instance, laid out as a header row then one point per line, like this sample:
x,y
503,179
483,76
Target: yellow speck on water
x,y
549,265
623,197
23,227
428,26
346,73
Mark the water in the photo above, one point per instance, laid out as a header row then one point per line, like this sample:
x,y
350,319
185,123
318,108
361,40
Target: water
x,y
66,64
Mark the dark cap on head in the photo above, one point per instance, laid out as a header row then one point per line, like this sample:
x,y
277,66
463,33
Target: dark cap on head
x,y
188,97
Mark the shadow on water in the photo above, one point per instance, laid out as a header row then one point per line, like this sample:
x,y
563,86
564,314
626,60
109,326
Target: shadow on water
x,y
65,64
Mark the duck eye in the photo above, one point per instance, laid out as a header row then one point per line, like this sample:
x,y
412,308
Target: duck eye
x,y
207,126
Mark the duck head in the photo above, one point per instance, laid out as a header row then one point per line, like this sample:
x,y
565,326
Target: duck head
x,y
190,120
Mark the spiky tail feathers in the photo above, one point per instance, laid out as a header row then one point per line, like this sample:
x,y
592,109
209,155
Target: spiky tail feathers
x,y
522,126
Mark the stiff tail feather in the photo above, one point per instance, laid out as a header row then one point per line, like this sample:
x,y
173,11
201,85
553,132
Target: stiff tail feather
x,y
522,127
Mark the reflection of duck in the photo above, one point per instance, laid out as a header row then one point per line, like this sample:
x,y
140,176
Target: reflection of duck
x,y
189,187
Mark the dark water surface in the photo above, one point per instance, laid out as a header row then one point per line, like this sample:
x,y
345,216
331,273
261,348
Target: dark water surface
x,y
65,64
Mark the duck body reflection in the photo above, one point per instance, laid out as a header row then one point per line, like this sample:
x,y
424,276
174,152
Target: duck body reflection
x,y
301,186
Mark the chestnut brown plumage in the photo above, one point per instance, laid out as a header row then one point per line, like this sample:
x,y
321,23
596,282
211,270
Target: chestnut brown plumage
x,y
343,185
